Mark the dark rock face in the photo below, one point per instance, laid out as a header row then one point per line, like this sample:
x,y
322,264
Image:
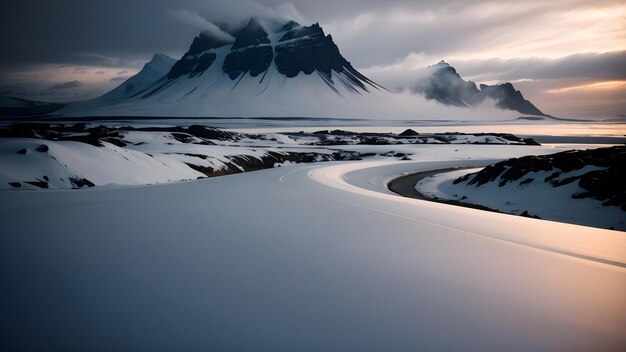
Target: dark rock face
x,y
408,132
252,34
307,49
42,148
606,185
299,49
192,66
289,26
204,42
507,97
446,86
255,60
296,31
250,53
80,182
192,63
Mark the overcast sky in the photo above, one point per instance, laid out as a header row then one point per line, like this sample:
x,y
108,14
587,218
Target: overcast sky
x,y
567,56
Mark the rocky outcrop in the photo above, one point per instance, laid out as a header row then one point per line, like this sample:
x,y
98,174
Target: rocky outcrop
x,y
605,184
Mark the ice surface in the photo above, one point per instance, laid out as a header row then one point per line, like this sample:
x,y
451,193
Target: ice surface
x,y
307,257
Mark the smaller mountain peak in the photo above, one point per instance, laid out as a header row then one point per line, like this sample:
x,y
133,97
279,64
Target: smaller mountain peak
x,y
289,26
205,41
160,62
252,34
442,63
158,57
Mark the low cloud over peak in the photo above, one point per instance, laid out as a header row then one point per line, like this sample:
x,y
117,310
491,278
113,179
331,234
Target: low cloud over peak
x,y
193,19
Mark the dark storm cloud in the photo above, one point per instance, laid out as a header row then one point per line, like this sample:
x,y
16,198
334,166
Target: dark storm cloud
x,y
120,33
107,33
66,85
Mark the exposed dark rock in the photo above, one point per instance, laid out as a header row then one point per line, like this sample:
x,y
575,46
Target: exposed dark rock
x,y
22,151
606,184
526,214
182,137
192,63
77,127
553,176
80,182
527,181
255,60
308,50
42,148
209,132
568,164
15,184
289,26
252,34
508,98
530,141
408,133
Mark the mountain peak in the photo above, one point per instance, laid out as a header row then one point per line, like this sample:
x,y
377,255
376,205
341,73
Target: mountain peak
x,y
203,42
252,34
160,62
289,26
445,85
159,57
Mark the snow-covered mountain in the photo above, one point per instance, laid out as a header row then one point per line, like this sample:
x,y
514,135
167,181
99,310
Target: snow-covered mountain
x,y
152,71
270,70
443,84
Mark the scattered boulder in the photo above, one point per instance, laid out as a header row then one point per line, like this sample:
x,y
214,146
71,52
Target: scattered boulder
x,y
42,148
79,182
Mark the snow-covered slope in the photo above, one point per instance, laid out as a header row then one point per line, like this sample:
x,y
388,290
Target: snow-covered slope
x,y
35,156
306,258
152,71
576,186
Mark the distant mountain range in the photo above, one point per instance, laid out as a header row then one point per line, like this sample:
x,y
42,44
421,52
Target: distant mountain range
x,y
446,86
271,69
